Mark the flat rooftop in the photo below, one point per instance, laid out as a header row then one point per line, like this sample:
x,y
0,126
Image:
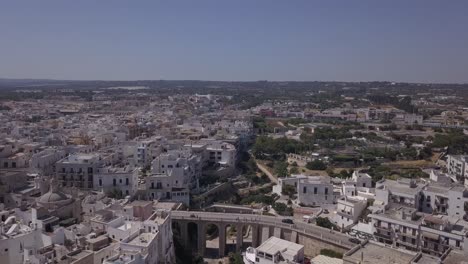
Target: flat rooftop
x,y
274,245
456,257
373,253
142,240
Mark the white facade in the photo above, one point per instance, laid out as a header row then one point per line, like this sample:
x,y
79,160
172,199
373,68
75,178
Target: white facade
x,y
348,210
123,178
275,250
457,165
317,190
45,160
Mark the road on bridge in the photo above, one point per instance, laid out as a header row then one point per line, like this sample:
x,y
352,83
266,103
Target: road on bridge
x,y
326,235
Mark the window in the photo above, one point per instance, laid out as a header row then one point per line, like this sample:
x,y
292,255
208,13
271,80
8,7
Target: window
x,y
315,190
114,181
127,182
13,164
364,185
326,191
5,164
100,182
304,190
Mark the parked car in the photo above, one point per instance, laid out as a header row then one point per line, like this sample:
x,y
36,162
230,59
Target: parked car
x,y
325,211
288,221
355,240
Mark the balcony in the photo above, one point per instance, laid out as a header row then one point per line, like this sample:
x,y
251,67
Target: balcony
x,y
410,235
383,236
380,227
407,244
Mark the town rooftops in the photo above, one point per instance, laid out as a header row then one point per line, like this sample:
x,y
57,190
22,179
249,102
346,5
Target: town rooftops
x,y
401,186
80,158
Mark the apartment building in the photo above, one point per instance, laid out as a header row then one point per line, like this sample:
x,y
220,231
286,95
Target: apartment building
x,y
421,216
44,161
147,150
172,177
457,165
348,210
77,170
123,178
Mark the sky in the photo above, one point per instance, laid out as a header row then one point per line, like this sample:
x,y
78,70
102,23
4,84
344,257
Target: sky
x,y
237,40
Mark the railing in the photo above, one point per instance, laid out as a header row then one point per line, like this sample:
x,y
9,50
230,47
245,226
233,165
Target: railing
x,y
324,234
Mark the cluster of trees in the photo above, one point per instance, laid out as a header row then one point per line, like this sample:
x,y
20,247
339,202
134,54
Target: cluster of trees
x,y
343,174
281,169
259,198
235,258
289,190
328,133
331,253
260,124
283,209
316,165
275,149
258,180
325,222
455,141
408,153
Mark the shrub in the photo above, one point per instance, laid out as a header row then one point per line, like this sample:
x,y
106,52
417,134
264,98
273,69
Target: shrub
x,y
331,253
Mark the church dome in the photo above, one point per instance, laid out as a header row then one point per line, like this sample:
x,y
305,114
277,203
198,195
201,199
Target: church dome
x,y
52,197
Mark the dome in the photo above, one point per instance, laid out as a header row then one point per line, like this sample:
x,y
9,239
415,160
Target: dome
x,y
52,197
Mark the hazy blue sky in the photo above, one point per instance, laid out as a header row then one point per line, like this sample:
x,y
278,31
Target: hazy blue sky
x,y
420,41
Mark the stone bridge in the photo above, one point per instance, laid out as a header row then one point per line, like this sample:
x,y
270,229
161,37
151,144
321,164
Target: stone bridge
x,y
261,228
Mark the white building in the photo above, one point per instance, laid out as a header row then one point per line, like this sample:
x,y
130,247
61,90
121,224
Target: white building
x,y
45,160
123,178
348,210
457,165
275,250
174,174
317,190
77,170
152,243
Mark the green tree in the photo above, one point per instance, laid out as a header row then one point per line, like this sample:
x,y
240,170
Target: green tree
x,y
281,169
331,253
325,222
316,165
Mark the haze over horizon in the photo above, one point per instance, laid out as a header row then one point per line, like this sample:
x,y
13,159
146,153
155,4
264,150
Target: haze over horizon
x,y
401,41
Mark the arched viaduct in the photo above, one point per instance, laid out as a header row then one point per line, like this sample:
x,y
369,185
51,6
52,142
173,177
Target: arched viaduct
x,y
261,228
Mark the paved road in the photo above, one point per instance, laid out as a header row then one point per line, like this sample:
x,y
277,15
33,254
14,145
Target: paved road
x,y
324,234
